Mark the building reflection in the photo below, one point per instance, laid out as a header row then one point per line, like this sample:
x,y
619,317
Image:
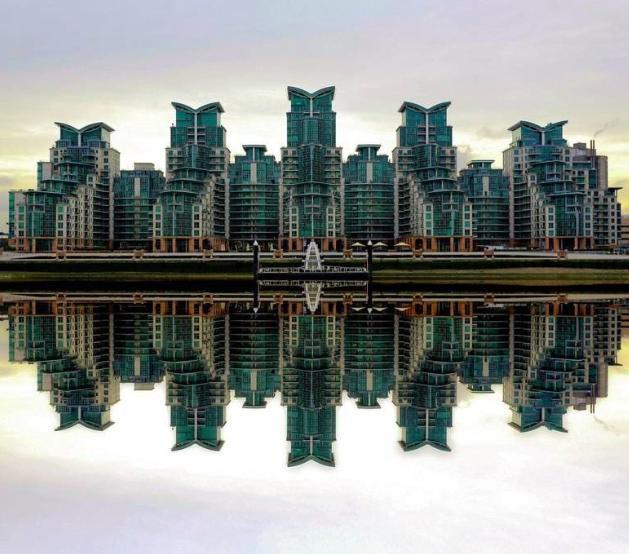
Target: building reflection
x,y
547,358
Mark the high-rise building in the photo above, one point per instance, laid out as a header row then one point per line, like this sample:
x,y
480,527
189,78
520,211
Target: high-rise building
x,y
487,190
191,213
72,208
431,211
254,199
559,197
135,192
367,194
311,172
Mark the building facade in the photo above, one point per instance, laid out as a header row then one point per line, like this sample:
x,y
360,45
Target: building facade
x,y
135,193
367,194
487,190
559,196
190,214
311,172
254,199
549,195
432,213
72,208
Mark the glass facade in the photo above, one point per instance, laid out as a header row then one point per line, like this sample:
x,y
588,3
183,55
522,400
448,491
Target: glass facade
x,y
549,195
559,193
190,213
487,190
311,172
254,199
135,193
432,213
72,208
368,195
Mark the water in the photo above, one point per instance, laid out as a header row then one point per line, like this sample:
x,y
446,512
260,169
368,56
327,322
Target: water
x,y
335,422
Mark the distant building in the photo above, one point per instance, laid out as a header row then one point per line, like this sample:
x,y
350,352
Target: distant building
x,y
432,213
72,208
487,190
559,196
368,196
549,195
311,172
254,199
135,193
191,213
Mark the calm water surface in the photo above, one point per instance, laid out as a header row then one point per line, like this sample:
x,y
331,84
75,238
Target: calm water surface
x,y
314,424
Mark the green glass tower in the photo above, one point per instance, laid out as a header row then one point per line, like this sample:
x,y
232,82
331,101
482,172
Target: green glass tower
x,y
560,197
311,172
368,195
190,214
487,190
135,193
72,208
432,213
254,199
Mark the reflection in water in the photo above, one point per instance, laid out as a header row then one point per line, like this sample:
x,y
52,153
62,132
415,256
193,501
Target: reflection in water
x,y
547,356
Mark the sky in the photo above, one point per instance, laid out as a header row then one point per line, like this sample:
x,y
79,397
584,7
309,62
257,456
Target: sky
x,y
125,61
123,490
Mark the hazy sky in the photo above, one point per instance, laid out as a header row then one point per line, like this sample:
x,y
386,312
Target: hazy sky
x,y
123,62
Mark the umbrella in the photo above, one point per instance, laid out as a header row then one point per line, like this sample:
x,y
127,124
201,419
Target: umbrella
x,y
358,245
403,245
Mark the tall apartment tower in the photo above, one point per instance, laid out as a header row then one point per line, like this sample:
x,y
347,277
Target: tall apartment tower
x,y
432,213
72,208
311,172
559,196
487,189
135,193
191,213
367,193
254,198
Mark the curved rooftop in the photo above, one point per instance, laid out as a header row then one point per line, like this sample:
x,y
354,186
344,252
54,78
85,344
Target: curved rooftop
x,y
211,107
306,94
535,126
417,107
88,127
